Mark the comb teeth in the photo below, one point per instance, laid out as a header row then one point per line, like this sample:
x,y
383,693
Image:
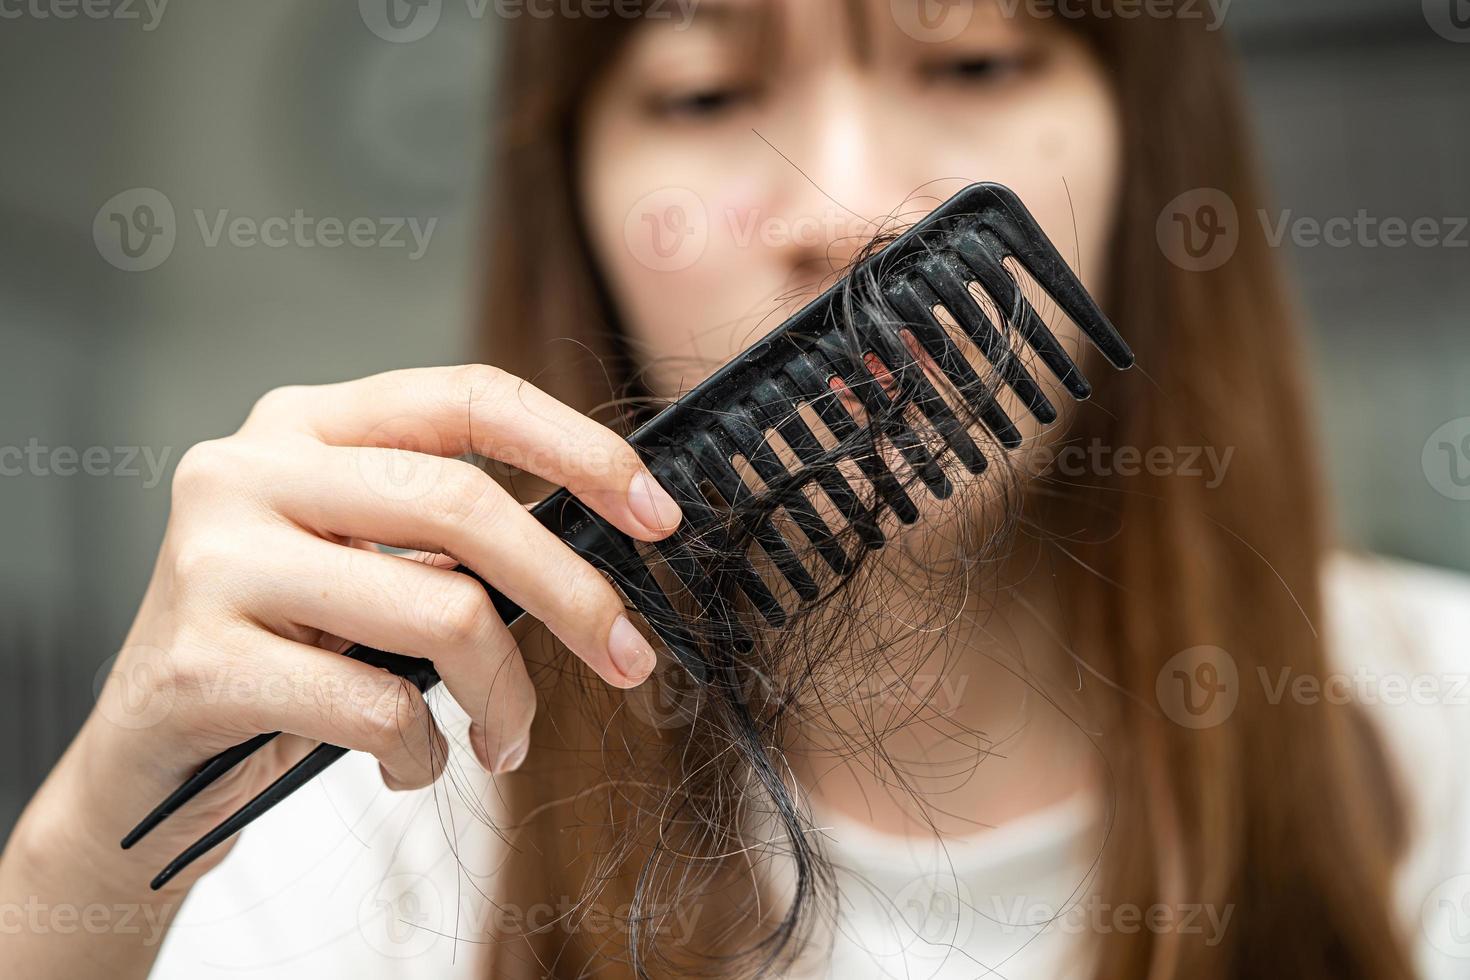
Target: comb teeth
x,y
916,301
809,450
1007,294
804,370
912,384
699,513
678,552
830,351
870,381
946,275
717,466
768,466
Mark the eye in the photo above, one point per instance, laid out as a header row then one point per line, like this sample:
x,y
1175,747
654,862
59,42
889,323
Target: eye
x,y
980,69
703,104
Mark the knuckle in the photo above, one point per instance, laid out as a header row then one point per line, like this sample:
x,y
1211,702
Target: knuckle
x,y
203,466
478,380
201,681
203,556
458,615
186,676
605,461
586,595
278,402
457,495
386,717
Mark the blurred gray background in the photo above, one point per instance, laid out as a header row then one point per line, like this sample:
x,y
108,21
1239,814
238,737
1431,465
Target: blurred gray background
x,y
263,108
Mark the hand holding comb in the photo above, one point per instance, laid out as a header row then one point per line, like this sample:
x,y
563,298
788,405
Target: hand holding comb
x,y
831,346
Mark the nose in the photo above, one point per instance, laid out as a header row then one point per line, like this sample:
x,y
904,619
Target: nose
x,y
843,180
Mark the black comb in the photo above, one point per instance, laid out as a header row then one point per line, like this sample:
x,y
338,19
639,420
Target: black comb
x,y
831,352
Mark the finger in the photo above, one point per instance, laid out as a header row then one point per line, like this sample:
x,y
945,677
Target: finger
x,y
304,690
481,409
464,513
407,607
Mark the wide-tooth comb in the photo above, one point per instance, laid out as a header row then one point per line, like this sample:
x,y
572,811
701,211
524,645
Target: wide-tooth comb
x,y
833,349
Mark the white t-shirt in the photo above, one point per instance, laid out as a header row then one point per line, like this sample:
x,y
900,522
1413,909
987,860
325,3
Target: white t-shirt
x,y
346,879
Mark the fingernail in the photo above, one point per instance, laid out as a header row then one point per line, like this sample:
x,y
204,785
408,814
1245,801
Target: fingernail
x,y
513,755
630,652
651,503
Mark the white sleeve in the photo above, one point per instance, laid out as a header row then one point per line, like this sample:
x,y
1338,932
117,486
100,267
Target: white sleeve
x,y
346,879
1404,632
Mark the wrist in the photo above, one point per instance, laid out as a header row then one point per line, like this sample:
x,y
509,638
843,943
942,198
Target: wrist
x,y
67,841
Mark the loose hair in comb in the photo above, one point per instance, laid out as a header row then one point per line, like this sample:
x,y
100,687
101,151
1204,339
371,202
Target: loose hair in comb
x,y
869,362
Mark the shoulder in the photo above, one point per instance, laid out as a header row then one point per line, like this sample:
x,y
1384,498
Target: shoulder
x,y
1399,636
1371,599
346,878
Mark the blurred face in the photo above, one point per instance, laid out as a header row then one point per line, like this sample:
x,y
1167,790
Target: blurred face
x,y
732,164
732,167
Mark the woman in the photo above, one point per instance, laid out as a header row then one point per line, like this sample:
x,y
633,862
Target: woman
x,y
1110,725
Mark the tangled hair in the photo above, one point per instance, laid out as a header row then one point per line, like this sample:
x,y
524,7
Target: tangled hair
x,y
648,809
705,793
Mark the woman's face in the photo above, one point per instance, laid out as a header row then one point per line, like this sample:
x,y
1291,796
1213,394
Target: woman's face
x,y
732,163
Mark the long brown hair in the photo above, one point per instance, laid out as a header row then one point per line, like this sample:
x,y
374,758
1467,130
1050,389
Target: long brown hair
x,y
1285,814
